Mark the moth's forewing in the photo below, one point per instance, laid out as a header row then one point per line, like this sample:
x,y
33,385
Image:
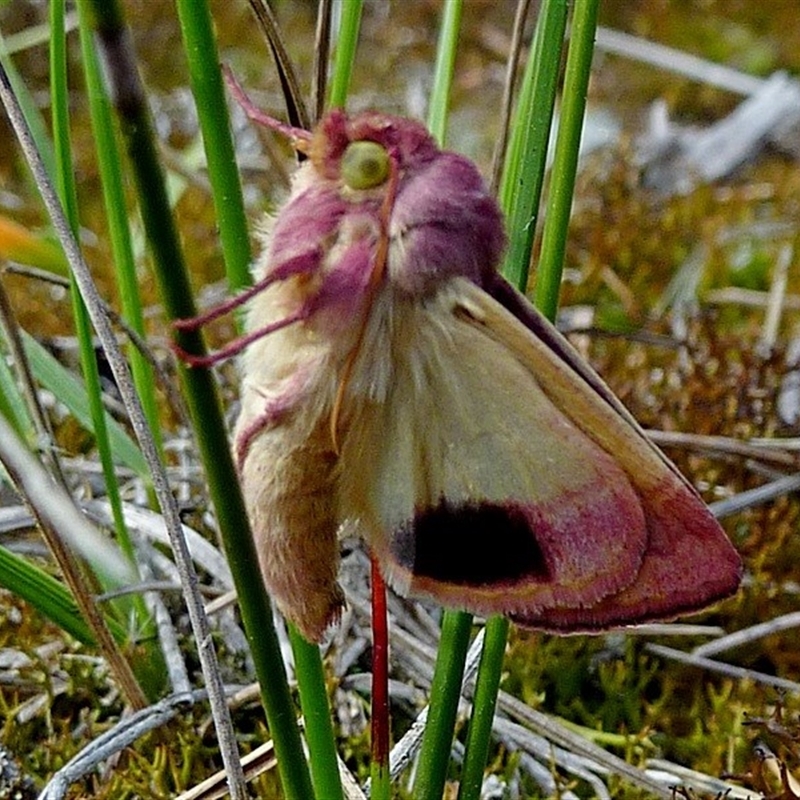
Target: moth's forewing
x,y
689,562
546,333
490,475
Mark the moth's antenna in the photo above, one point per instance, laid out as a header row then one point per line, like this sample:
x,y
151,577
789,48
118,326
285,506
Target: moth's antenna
x,y
299,137
295,107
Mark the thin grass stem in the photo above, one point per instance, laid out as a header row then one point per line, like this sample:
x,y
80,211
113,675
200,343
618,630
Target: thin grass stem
x,y
317,717
345,52
443,71
204,408
484,702
521,193
67,191
207,87
523,175
51,598
437,741
114,201
322,50
434,756
565,158
519,197
53,508
30,109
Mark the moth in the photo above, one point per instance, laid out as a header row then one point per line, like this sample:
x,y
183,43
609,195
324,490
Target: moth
x,y
396,386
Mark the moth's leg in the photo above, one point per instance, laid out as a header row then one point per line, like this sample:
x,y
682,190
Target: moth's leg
x,y
277,404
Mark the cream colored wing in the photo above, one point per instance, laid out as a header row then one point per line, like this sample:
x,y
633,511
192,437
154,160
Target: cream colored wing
x,y
487,474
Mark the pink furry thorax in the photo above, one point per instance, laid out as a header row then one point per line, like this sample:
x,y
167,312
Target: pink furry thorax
x,y
442,221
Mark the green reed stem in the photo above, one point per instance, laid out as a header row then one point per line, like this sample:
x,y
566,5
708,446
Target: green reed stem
x,y
521,196
207,87
345,52
115,205
209,95
317,717
65,183
523,175
437,741
484,701
434,756
565,159
51,598
443,71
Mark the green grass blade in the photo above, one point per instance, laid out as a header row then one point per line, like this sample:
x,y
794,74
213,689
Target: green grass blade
x,y
17,243
434,757
484,701
65,530
50,597
443,72
308,663
30,109
520,195
12,403
207,86
437,740
565,159
67,191
126,607
523,174
345,52
317,717
115,205
71,391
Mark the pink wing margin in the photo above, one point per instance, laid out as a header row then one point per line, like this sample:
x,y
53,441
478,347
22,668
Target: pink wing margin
x,y
689,562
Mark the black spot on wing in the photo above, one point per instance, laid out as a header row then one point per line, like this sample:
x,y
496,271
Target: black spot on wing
x,y
471,544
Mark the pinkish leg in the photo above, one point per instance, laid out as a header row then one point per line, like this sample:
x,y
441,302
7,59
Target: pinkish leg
x,y
275,408
306,262
237,345
303,264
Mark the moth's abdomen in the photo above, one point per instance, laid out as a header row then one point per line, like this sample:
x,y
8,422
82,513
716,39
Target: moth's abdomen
x,y
284,451
289,481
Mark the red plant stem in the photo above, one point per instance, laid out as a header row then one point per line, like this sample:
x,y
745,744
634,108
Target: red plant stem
x,y
380,671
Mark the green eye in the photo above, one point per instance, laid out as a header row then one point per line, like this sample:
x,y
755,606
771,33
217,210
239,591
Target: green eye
x,y
364,165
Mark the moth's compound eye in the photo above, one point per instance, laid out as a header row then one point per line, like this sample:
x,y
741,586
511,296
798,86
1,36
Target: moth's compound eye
x,y
365,165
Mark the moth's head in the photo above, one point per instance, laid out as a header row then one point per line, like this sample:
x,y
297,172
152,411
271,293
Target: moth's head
x,y
431,208
358,150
